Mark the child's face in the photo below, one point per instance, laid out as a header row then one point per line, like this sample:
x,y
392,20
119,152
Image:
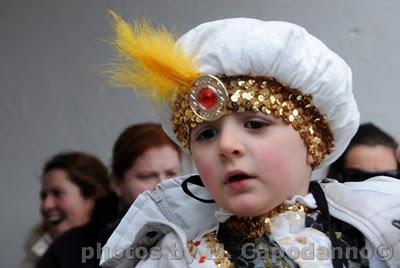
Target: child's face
x,y
250,162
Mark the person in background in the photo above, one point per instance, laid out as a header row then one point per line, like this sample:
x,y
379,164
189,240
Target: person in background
x,y
71,184
143,155
371,152
77,202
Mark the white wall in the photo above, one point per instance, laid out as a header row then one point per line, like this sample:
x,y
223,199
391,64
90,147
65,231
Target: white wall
x,y
53,98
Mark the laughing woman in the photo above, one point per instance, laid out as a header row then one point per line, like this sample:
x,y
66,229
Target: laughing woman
x,y
71,184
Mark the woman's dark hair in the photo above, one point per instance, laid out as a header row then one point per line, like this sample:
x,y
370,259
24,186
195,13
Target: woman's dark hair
x,y
367,134
133,142
84,170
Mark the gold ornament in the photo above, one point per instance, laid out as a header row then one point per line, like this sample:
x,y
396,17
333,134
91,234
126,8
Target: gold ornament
x,y
250,228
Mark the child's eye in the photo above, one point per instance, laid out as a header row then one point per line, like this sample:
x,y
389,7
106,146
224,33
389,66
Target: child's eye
x,y
255,124
206,134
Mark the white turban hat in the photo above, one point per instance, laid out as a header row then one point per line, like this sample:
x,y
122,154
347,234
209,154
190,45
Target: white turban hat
x,y
284,51
241,64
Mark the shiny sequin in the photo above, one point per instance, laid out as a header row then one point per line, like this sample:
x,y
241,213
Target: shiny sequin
x,y
266,95
251,228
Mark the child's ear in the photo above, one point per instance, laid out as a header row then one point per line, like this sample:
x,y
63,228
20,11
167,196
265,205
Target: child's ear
x,y
310,159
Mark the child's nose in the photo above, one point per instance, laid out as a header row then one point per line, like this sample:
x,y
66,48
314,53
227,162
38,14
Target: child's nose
x,y
230,144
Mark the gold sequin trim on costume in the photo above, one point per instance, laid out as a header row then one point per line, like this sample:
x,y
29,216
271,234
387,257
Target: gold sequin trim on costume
x,y
266,95
258,226
249,227
220,255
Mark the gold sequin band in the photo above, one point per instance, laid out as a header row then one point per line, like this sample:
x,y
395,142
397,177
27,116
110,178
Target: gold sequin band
x,y
256,94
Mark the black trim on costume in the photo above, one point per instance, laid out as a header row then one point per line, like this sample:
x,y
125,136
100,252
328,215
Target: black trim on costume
x,y
322,204
196,181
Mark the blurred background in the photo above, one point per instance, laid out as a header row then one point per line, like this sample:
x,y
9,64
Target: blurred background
x,y
53,97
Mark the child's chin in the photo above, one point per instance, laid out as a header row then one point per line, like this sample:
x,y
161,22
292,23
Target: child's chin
x,y
247,210
250,208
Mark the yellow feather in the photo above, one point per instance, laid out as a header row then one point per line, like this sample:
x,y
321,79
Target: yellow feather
x,y
150,60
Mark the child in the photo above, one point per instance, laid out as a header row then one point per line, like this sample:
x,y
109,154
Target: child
x,y
259,105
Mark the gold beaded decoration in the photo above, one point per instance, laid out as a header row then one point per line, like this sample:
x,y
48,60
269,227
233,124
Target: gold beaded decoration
x,y
251,228
258,226
266,95
222,257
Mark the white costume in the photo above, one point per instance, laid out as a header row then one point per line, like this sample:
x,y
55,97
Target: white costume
x,y
177,219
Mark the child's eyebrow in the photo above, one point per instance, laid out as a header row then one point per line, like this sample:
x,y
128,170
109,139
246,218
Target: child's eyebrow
x,y
257,114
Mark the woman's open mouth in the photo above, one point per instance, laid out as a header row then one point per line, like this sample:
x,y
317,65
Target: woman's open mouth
x,y
54,220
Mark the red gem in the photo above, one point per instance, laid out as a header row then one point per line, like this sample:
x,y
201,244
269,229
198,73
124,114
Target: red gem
x,y
202,259
207,98
196,243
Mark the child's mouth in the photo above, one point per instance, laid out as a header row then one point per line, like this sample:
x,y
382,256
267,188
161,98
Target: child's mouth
x,y
238,177
238,180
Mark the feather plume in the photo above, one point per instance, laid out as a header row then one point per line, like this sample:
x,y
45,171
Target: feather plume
x,y
149,60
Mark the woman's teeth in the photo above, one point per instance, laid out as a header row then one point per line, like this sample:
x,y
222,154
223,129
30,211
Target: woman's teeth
x,y
55,219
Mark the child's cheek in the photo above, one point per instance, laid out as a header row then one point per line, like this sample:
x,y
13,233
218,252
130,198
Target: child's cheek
x,y
205,169
270,156
270,161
